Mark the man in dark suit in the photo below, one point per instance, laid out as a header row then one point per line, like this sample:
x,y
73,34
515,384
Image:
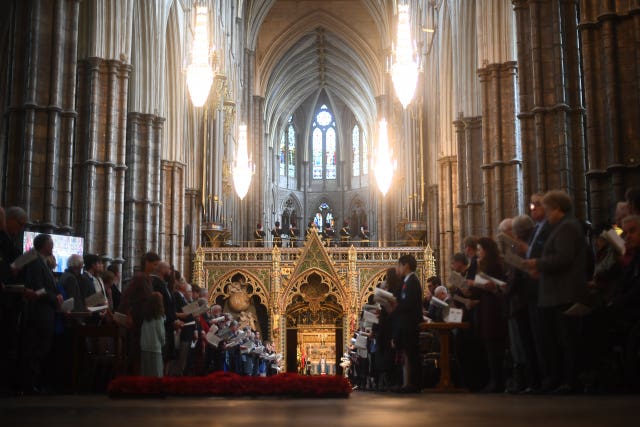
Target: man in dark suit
x,y
562,270
407,315
10,303
159,277
533,250
188,333
43,299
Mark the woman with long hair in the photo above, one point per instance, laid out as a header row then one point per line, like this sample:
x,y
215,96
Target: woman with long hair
x,y
491,319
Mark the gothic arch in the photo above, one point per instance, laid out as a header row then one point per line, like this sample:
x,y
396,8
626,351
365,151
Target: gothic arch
x,y
367,290
258,288
295,286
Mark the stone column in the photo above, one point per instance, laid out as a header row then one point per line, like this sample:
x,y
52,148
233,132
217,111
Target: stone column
x,y
501,159
99,166
171,236
142,202
193,217
470,190
449,227
551,111
610,35
40,119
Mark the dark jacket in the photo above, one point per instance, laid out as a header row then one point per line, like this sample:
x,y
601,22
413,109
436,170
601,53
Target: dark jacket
x,y
562,265
536,246
408,313
38,275
70,282
186,334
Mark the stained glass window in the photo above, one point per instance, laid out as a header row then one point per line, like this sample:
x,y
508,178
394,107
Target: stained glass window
x,y
324,116
317,153
324,146
282,155
291,157
330,151
355,150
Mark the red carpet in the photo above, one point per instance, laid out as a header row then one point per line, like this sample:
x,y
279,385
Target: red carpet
x,y
228,384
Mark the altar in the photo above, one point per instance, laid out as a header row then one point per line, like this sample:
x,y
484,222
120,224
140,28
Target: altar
x,y
307,299
317,349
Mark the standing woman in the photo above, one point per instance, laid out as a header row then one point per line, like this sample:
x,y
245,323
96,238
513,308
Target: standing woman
x,y
491,319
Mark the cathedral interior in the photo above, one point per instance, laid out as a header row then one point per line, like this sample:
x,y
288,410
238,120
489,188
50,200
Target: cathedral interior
x,y
178,126
101,139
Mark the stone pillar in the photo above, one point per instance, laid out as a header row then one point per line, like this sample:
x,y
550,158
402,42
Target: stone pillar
x,y
99,166
40,119
449,225
610,35
501,158
470,190
551,111
193,217
142,193
171,244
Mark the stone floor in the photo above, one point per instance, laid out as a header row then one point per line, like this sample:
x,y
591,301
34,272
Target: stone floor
x,y
361,409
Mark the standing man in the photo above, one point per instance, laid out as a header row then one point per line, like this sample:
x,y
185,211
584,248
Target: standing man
x,y
277,235
407,317
364,236
534,250
562,270
159,277
258,236
345,234
91,281
43,299
293,235
10,303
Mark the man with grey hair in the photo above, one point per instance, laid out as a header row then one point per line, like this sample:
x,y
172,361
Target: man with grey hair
x,y
70,281
188,332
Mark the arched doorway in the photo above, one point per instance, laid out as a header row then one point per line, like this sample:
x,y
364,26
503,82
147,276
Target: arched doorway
x,y
314,338
314,322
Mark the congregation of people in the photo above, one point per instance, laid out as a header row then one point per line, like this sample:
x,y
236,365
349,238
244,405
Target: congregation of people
x,y
41,313
552,304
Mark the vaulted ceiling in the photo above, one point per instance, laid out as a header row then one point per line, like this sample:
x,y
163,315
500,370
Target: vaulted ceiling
x,y
305,47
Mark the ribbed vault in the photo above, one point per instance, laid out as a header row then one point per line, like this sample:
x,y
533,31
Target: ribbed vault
x,y
319,60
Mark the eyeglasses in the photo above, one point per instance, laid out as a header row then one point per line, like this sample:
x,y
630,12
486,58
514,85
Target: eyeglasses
x,y
534,205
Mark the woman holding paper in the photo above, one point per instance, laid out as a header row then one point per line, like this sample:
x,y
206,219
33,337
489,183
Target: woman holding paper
x,y
491,320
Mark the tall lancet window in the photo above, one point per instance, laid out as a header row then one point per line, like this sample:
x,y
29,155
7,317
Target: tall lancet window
x,y
291,150
283,155
355,150
359,152
323,146
288,150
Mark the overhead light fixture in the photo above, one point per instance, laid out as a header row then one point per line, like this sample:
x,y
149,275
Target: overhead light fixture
x,y
383,163
404,69
243,167
199,72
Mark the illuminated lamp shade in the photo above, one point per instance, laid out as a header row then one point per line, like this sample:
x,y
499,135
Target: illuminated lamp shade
x,y
404,70
243,167
199,72
383,163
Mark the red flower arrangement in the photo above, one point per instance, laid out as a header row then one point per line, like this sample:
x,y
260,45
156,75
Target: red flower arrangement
x,y
230,384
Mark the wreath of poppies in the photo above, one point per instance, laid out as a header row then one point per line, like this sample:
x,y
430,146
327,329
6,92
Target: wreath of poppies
x,y
230,384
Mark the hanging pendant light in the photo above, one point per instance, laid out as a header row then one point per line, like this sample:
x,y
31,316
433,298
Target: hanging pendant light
x,y
383,163
243,167
404,70
199,72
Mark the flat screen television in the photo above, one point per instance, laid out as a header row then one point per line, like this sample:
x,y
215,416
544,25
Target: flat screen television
x,y
63,247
